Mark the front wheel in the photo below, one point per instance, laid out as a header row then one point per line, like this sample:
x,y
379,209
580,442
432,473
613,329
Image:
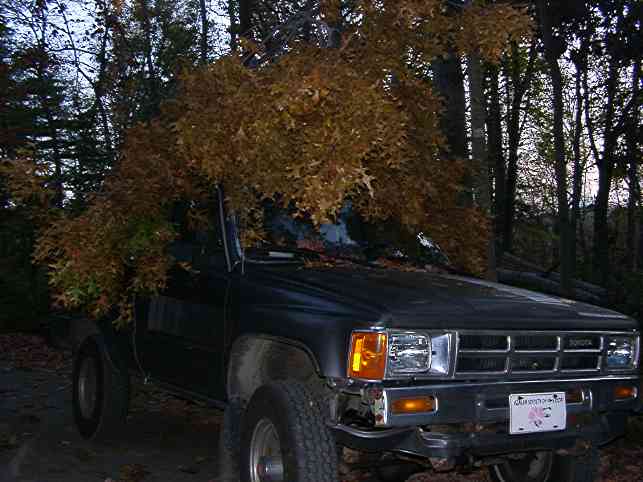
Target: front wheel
x,y
100,393
548,467
284,437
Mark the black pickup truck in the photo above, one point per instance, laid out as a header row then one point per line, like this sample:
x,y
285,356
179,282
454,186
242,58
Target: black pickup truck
x,y
318,351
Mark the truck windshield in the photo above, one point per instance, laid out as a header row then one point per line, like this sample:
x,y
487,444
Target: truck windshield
x,y
349,237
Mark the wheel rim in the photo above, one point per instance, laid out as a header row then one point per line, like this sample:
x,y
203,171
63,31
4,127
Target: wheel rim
x,y
266,462
87,384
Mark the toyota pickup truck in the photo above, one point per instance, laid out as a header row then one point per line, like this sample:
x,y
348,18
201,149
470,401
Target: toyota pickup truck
x,y
317,340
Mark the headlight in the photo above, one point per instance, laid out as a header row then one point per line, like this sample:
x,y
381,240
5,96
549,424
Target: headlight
x,y
621,351
411,353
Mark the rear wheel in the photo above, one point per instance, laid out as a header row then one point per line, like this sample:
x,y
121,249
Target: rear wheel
x,y
548,467
100,393
284,437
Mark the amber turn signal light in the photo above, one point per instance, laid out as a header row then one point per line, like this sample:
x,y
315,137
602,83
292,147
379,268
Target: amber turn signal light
x,y
368,356
414,405
624,393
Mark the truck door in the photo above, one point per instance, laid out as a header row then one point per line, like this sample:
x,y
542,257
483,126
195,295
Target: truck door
x,y
180,332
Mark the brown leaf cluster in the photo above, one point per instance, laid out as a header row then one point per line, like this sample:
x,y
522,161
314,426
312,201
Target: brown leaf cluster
x,y
311,130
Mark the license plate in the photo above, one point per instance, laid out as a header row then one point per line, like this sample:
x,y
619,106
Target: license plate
x,y
537,412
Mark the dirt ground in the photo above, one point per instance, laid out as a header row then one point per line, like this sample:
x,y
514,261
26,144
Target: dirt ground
x,y
167,439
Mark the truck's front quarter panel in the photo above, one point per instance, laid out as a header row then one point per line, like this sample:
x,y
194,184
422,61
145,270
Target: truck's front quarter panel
x,y
313,318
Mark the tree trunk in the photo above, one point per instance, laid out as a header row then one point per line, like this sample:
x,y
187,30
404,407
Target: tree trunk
x,y
245,17
204,31
520,82
479,154
634,156
234,27
605,166
577,181
449,82
551,55
495,156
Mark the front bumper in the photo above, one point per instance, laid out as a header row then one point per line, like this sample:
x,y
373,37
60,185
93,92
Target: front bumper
x,y
473,419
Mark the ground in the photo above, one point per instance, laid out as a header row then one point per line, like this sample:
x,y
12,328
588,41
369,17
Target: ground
x,y
167,439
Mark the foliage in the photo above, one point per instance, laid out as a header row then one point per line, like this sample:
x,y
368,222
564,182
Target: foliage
x,y
317,127
23,287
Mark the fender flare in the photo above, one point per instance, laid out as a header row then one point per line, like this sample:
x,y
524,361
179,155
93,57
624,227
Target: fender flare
x,y
244,372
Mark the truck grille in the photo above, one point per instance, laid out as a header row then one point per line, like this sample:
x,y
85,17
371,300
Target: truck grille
x,y
527,353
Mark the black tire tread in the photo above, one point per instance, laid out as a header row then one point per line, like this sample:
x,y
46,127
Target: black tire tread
x,y
115,393
313,455
115,404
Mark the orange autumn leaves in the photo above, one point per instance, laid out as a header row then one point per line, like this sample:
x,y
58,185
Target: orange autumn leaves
x,y
312,129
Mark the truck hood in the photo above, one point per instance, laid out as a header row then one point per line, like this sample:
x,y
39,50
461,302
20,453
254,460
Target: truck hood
x,y
418,299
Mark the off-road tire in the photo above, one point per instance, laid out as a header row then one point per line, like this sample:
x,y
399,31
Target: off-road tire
x,y
308,448
564,468
112,388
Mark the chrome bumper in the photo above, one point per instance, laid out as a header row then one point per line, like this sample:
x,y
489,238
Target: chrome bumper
x,y
487,402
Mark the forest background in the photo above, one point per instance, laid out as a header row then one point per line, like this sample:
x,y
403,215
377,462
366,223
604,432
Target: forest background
x,y
550,133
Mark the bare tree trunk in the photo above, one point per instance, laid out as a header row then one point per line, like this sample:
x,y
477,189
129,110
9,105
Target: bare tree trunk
x,y
520,82
234,27
551,55
450,84
605,166
479,153
634,155
204,31
580,63
495,155
245,16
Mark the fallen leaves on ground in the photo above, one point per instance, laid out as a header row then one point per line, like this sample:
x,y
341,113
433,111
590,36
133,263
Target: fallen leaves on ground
x,y
477,476
621,462
132,473
28,352
151,398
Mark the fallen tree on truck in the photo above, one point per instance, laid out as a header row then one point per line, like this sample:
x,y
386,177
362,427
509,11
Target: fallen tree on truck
x,y
316,128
